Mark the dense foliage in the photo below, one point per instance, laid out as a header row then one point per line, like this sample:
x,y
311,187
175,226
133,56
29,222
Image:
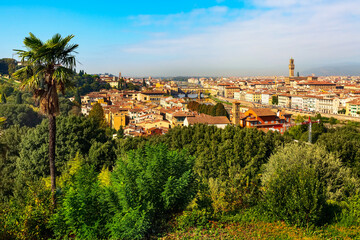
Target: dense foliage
x,y
7,66
213,110
135,188
74,134
19,114
147,187
298,179
86,83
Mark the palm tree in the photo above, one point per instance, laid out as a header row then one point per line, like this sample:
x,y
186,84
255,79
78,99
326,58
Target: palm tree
x,y
48,70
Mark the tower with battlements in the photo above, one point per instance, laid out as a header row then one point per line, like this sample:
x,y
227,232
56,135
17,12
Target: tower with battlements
x,y
291,68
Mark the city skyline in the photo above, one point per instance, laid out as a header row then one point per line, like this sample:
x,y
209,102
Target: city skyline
x,y
201,38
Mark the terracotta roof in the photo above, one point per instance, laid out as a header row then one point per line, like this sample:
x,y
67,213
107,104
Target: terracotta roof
x,y
261,112
183,114
207,119
152,92
355,102
316,83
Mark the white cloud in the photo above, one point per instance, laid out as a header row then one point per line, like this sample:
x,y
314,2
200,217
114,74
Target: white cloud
x,y
314,32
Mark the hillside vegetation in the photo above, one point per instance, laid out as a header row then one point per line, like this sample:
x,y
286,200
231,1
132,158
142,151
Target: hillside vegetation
x,y
195,182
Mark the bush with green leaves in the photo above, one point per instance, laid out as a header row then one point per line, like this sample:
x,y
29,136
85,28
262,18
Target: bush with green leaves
x,y
299,178
149,185
345,142
193,218
28,217
10,182
82,212
350,215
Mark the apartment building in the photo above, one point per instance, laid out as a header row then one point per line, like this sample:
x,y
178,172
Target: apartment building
x,y
297,102
284,100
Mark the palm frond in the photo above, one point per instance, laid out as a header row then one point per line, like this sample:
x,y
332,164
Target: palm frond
x,y
32,42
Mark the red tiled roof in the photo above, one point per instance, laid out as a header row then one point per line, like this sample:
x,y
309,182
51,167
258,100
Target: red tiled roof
x,y
207,119
262,112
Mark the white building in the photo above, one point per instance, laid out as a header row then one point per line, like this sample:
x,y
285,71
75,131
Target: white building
x,y
327,105
284,100
309,103
249,97
297,102
266,98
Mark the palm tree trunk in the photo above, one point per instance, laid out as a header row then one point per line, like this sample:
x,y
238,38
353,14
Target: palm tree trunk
x,y
52,139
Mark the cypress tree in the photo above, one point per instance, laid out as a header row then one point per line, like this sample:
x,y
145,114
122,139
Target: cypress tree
x,y
77,96
3,98
19,98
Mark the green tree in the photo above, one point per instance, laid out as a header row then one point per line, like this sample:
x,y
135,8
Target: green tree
x,y
102,155
22,115
332,121
11,68
77,96
342,111
19,98
48,69
97,113
345,142
74,134
220,110
120,132
299,119
318,116
10,140
3,98
7,65
274,100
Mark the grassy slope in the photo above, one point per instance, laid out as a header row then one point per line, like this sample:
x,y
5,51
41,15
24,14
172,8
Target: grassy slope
x,y
264,230
219,101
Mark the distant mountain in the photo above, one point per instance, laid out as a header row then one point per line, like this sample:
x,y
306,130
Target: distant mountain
x,y
352,69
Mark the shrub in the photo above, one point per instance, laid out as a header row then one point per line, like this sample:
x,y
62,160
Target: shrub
x,y
196,217
27,218
82,212
298,179
350,215
149,186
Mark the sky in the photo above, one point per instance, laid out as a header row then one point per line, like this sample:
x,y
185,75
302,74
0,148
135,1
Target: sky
x,y
191,38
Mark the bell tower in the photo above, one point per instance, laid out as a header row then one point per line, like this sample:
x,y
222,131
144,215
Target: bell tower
x,y
291,67
236,113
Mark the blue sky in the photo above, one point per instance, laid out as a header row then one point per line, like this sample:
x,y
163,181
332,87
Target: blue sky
x,y
172,38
